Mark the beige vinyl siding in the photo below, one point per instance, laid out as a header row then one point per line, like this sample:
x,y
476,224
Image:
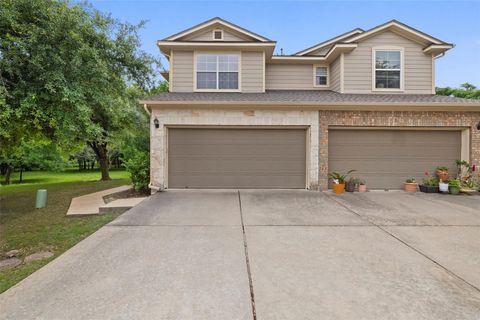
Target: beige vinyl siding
x,y
335,75
182,76
417,65
289,77
252,71
208,36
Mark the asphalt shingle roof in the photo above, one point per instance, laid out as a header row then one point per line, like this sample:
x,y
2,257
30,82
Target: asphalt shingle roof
x,y
307,96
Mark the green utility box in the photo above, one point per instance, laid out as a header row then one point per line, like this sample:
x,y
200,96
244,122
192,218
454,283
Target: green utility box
x,y
41,200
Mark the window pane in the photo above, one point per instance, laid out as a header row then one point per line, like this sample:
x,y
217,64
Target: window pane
x,y
321,71
387,79
387,59
206,63
321,81
228,80
228,63
206,80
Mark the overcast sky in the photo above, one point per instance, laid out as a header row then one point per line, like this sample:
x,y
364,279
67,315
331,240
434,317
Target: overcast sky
x,y
296,25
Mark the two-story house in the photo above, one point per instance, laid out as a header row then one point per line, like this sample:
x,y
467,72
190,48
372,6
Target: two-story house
x,y
238,116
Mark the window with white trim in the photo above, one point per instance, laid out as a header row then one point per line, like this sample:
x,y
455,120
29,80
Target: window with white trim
x,y
217,71
388,69
321,76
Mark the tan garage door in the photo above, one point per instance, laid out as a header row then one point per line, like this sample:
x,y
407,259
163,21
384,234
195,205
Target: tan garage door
x,y
236,158
385,158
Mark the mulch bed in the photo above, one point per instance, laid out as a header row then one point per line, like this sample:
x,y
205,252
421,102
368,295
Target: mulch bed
x,y
130,193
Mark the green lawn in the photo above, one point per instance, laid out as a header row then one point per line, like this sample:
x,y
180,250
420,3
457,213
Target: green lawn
x,y
31,230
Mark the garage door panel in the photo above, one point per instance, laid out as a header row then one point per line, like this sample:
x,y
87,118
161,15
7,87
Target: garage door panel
x,y
214,166
386,157
236,158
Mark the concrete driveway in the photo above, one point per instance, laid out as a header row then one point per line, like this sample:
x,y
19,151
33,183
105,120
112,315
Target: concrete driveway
x,y
268,254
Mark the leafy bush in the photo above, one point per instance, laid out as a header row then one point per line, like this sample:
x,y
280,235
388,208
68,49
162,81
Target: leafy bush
x,y
430,182
454,183
339,178
139,168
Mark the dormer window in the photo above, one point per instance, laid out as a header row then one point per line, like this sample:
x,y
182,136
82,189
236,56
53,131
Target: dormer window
x,y
217,72
388,73
217,34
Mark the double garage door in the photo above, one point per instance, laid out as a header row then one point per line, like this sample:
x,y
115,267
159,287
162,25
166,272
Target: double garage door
x,y
385,158
236,158
276,158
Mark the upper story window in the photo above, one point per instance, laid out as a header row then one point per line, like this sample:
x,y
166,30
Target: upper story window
x,y
388,69
321,76
217,34
217,71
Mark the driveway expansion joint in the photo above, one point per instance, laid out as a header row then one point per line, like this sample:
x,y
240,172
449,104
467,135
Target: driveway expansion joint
x,y
247,260
406,244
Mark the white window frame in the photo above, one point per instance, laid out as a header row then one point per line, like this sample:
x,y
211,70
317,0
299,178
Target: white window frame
x,y
196,53
402,68
213,34
315,66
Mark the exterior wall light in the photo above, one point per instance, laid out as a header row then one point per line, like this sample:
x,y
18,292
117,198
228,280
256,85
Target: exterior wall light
x,y
156,123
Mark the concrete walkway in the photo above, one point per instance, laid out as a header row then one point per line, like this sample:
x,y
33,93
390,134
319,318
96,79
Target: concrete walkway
x,y
93,203
267,254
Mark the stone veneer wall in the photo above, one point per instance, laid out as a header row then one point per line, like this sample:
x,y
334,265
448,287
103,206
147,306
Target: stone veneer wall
x,y
394,119
215,117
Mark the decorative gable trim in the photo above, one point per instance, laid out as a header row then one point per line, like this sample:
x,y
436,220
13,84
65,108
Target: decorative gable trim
x,y
395,25
217,20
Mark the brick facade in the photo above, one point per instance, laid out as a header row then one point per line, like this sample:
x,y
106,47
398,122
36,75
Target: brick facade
x,y
394,119
318,123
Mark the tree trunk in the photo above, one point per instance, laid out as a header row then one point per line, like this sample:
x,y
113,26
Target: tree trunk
x,y
101,151
84,165
7,174
21,174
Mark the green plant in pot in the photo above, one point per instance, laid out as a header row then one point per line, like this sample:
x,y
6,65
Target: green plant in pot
x,y
350,185
338,180
454,186
410,185
429,185
442,173
361,185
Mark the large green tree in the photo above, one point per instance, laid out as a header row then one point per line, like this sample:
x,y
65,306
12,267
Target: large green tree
x,y
65,73
466,90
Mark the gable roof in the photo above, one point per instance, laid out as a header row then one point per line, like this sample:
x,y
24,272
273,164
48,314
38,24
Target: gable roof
x,y
330,41
396,25
213,21
434,45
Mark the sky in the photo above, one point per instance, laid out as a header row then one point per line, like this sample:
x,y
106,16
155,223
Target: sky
x,y
296,25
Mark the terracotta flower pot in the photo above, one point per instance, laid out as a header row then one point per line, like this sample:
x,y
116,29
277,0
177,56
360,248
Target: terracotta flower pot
x,y
338,187
410,187
442,175
362,188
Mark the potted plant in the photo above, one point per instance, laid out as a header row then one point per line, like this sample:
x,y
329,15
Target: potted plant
x,y
429,185
362,185
454,186
442,174
350,185
338,180
410,185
